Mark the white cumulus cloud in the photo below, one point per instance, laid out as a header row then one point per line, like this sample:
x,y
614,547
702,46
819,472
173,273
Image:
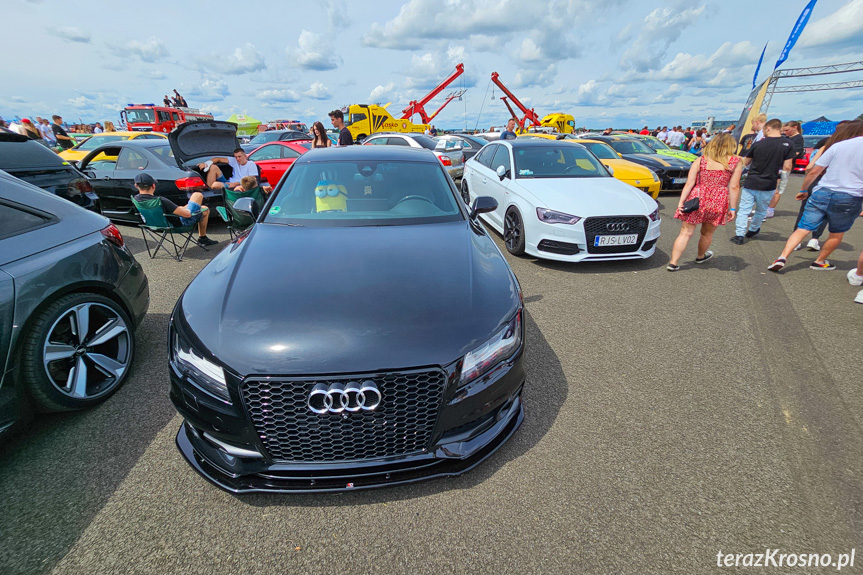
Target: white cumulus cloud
x,y
244,59
314,52
151,50
317,91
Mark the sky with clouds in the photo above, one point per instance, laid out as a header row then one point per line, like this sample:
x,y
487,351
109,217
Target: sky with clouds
x,y
607,62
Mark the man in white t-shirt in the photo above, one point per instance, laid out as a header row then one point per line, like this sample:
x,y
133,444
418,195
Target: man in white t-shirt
x,y
676,138
241,166
663,134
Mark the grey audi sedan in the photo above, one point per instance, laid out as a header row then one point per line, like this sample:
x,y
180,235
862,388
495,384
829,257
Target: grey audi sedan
x,y
71,296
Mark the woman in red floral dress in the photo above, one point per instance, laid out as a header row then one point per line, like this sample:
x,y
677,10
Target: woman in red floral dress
x,y
715,179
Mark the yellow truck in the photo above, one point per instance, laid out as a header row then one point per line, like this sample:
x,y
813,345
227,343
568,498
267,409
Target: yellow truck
x,y
365,119
563,123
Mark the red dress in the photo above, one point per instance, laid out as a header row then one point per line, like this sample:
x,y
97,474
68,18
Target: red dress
x,y
712,187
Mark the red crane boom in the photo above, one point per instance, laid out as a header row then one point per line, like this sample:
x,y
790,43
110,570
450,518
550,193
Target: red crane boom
x,y
417,107
449,98
529,114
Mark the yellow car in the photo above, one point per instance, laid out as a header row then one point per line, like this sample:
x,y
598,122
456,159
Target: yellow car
x,y
629,172
77,153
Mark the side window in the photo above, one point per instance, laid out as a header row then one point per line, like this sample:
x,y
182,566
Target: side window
x,y
376,141
289,153
164,116
149,137
175,117
130,160
266,153
14,221
501,158
396,141
485,155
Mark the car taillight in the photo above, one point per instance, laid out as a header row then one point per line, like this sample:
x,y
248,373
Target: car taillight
x,y
191,184
445,160
81,185
113,235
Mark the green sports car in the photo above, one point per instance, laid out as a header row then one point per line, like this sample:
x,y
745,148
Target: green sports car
x,y
662,148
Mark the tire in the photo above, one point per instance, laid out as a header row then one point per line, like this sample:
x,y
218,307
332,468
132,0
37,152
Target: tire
x,y
513,232
464,193
85,370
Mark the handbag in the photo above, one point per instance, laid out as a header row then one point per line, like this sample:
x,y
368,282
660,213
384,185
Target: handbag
x,y
690,206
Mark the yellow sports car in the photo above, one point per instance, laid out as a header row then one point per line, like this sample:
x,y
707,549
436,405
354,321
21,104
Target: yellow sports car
x,y
629,172
77,153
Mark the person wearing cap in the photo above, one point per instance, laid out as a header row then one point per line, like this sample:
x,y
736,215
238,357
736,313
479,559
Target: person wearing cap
x,y
191,213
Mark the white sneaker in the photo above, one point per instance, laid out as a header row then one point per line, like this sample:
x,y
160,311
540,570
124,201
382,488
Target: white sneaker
x,y
799,247
853,278
814,245
859,298
770,213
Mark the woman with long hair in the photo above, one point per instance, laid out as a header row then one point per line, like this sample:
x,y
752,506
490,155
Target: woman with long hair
x,y
319,136
109,126
714,179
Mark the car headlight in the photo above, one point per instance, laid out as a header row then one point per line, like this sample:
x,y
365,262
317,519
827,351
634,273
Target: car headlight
x,y
655,177
501,346
552,217
654,215
658,171
205,374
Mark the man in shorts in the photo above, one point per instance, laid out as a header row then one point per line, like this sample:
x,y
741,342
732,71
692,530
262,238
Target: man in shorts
x,y
838,199
191,213
241,167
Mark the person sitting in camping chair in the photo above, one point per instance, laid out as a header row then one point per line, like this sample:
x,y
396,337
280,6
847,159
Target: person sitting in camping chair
x,y
190,214
240,221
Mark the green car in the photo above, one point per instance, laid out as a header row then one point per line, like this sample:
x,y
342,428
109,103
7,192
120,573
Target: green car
x,y
662,148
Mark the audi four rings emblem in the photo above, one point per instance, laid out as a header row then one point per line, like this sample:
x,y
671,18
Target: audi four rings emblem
x,y
338,397
617,226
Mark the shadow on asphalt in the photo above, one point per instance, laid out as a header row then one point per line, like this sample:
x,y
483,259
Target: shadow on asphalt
x,y
545,391
62,469
657,260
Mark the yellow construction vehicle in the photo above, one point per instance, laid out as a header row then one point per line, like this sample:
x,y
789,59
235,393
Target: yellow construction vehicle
x,y
563,123
365,119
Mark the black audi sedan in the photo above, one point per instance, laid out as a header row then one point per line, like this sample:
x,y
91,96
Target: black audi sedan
x,y
71,296
365,331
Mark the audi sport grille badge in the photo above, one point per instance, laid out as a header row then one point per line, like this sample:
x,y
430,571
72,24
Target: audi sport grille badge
x,y
617,226
340,397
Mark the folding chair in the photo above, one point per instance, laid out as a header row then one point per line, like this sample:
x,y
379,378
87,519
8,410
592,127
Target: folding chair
x,y
157,228
238,221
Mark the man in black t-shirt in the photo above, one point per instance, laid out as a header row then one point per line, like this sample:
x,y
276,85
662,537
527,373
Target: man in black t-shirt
x,y
765,159
60,134
338,119
791,131
192,213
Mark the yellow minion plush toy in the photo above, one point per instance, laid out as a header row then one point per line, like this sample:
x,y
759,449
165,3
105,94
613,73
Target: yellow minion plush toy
x,y
331,197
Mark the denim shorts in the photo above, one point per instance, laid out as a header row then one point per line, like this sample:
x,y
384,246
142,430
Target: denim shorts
x,y
197,214
837,208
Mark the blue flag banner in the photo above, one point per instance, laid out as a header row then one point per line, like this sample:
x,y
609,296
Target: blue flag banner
x,y
795,33
758,67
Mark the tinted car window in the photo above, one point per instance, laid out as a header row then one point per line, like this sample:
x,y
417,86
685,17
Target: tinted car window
x,y
397,142
563,161
289,153
601,150
96,141
265,137
375,141
14,221
425,141
631,147
130,160
163,152
267,153
27,155
501,158
485,155
364,193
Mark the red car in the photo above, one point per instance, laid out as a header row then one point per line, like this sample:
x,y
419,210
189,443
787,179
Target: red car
x,y
275,158
809,142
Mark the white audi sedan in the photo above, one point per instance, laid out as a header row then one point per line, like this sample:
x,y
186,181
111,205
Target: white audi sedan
x,y
556,201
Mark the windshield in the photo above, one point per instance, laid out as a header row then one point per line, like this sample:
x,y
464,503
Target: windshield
x,y
265,137
810,141
656,144
140,116
632,147
96,141
364,193
562,161
601,150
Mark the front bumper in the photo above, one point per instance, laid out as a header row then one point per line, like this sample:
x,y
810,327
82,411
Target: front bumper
x,y
219,441
563,243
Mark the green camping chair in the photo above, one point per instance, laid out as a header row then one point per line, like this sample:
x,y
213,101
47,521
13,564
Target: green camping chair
x,y
238,221
157,228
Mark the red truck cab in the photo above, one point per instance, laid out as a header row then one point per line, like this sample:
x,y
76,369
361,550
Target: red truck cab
x,y
152,118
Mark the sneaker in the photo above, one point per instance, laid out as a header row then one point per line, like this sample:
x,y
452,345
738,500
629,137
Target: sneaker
x,y
814,245
738,240
205,241
798,248
777,265
825,265
752,233
672,267
859,298
770,213
853,278
707,255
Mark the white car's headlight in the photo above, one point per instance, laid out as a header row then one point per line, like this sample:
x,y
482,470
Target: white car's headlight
x,y
553,217
203,373
654,215
501,346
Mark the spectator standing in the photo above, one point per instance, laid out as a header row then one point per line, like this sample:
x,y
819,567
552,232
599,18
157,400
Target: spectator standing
x,y
765,159
509,133
663,133
63,139
181,101
696,142
47,132
98,128
319,136
838,197
714,178
192,213
30,130
167,101
109,126
790,130
337,117
644,131
676,139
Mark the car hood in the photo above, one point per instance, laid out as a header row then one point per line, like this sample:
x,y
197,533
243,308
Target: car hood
x,y
680,154
587,197
196,140
655,160
302,300
626,170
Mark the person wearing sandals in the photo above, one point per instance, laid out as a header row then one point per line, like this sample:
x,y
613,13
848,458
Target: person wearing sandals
x,y
714,179
319,136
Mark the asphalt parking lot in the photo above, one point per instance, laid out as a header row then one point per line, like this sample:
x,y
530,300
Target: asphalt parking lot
x,y
668,417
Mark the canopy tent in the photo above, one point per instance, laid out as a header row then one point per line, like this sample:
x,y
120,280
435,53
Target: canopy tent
x,y
246,125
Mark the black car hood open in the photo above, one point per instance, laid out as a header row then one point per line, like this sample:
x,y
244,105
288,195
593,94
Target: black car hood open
x,y
196,140
297,300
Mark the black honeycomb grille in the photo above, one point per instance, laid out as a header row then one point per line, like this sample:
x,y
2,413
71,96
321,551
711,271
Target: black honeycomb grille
x,y
290,431
622,225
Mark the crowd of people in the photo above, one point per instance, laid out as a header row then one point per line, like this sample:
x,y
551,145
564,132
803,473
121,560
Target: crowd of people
x,y
742,183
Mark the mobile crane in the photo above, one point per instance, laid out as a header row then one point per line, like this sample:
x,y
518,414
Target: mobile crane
x,y
418,107
563,123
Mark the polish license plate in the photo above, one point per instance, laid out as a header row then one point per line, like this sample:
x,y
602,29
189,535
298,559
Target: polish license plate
x,y
678,180
627,240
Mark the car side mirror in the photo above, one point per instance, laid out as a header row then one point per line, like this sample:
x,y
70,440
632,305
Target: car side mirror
x,y
501,173
249,207
619,154
482,205
610,170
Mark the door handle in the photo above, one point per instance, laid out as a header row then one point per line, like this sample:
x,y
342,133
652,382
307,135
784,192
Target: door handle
x,y
106,177
484,181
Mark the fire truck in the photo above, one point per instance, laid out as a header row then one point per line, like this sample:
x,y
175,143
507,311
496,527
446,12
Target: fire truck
x,y
152,118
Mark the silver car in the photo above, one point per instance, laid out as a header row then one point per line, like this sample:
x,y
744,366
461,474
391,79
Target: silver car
x,y
449,153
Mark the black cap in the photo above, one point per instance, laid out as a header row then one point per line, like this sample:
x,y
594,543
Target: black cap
x,y
144,180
